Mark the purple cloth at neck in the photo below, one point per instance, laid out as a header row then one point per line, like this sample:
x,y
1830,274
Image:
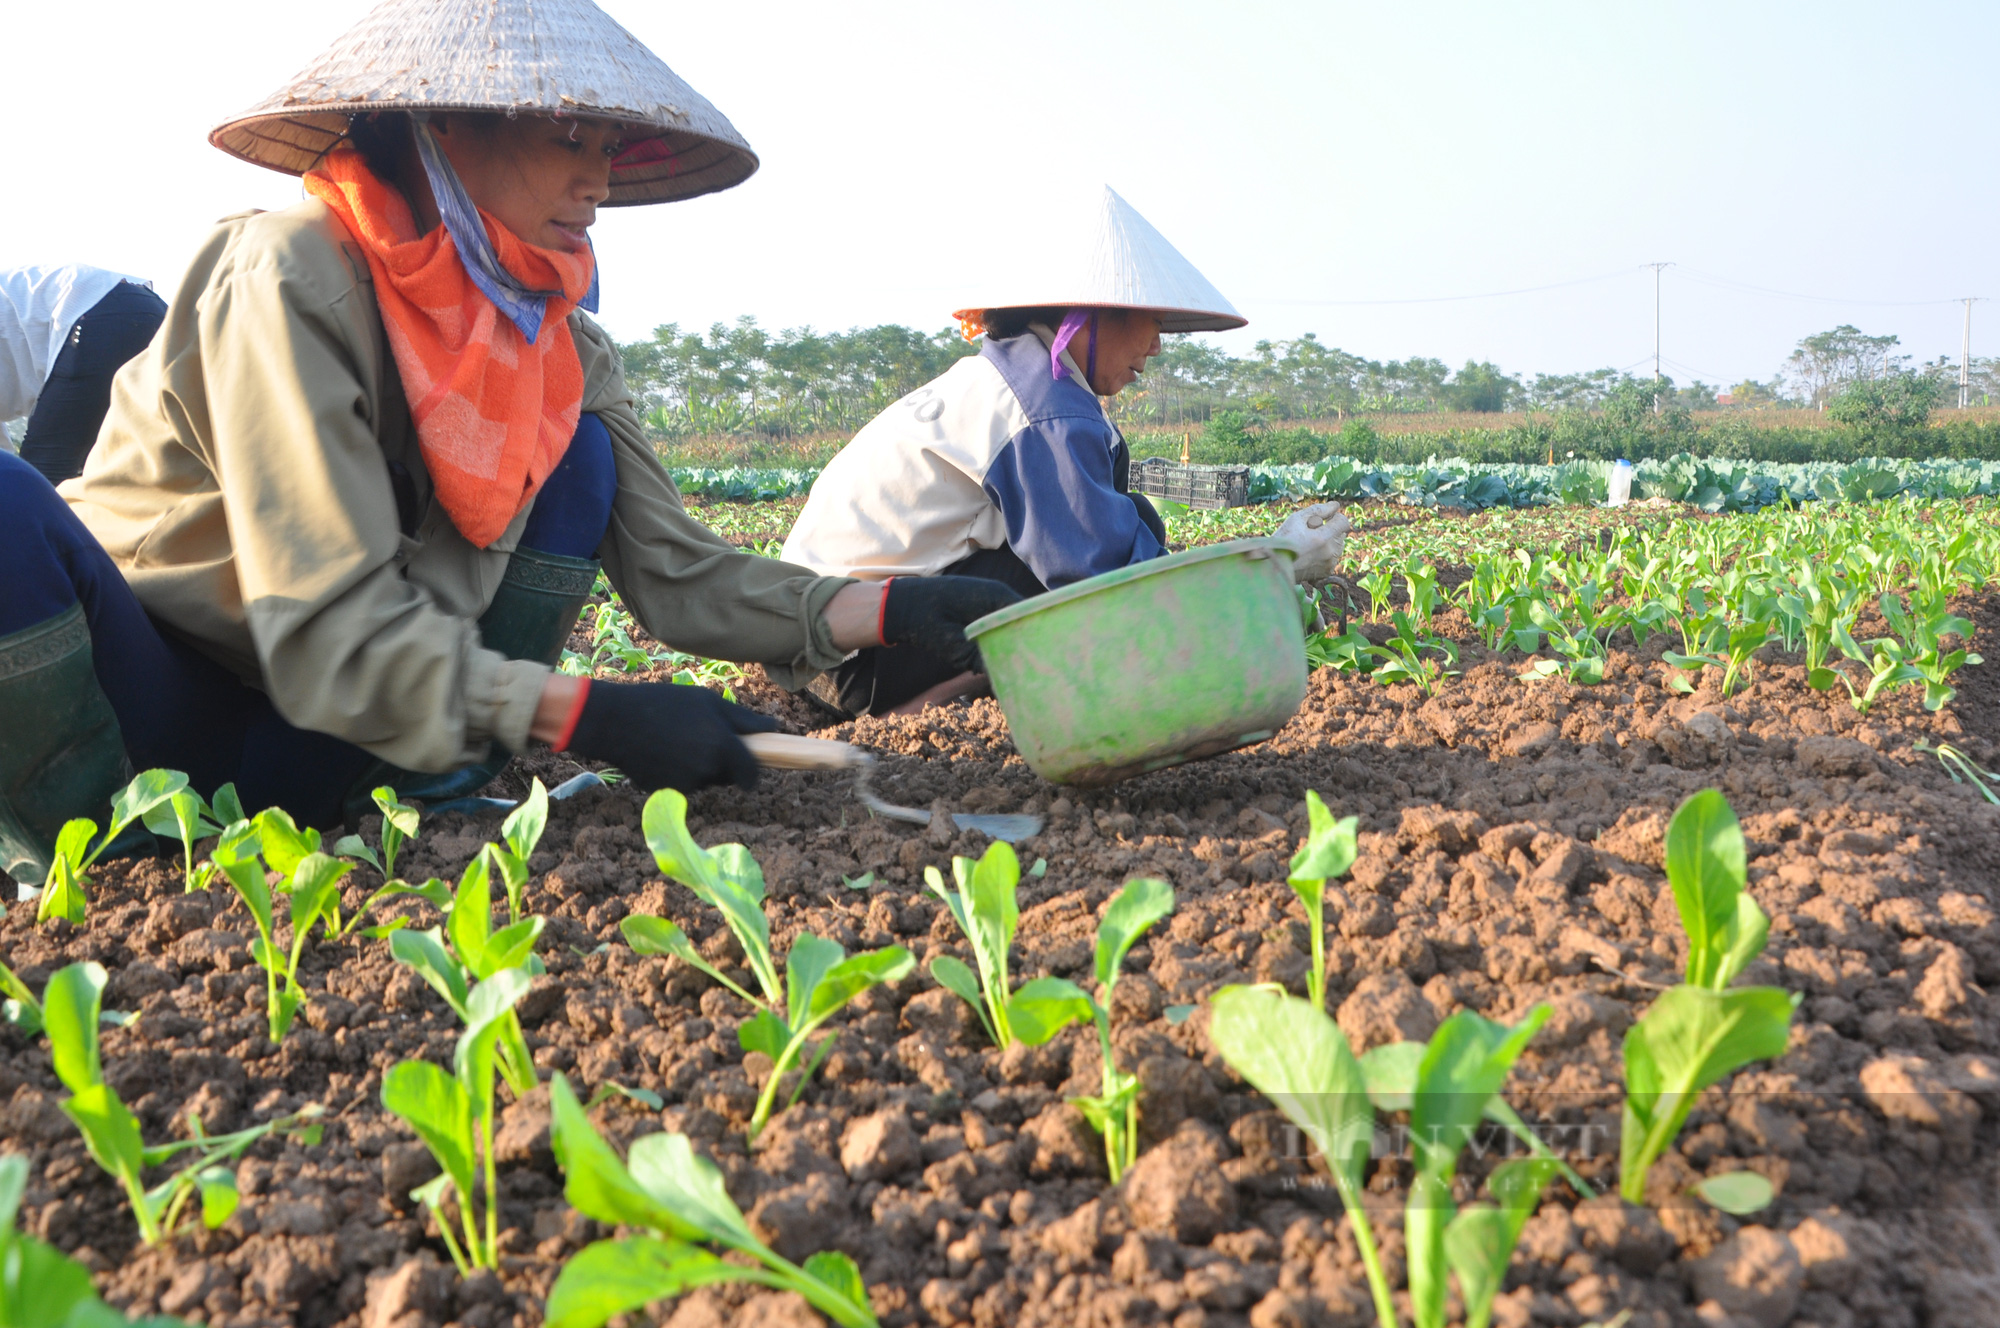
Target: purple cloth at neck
x,y
1072,324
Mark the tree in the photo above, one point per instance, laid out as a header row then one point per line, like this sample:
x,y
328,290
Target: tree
x,y
1896,400
1481,387
1827,361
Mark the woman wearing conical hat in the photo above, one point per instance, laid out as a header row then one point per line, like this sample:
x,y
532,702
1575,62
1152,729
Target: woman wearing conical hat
x,y
1007,467
347,505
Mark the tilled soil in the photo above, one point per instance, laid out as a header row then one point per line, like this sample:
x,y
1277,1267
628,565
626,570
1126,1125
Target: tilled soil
x,y
1511,854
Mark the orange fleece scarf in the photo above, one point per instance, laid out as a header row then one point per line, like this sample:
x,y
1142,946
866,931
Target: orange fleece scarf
x,y
494,414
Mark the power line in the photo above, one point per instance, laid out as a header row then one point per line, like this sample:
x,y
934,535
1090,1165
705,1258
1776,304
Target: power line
x,y
1451,299
1728,283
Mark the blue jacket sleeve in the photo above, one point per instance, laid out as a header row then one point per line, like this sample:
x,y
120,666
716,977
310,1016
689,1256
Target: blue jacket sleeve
x,y
1065,519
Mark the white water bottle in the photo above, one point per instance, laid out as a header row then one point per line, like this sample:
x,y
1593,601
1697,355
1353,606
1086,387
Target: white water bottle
x,y
1621,483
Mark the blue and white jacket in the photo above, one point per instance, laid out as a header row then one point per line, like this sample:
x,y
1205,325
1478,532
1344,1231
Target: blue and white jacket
x,y
995,452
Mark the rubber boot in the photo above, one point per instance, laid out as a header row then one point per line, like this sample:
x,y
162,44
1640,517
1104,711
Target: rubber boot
x,y
61,752
531,617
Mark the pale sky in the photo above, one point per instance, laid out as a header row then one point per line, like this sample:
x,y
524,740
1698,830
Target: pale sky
x,y
1301,155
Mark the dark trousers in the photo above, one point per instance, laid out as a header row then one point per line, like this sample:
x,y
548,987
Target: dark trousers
x,y
78,391
178,709
878,680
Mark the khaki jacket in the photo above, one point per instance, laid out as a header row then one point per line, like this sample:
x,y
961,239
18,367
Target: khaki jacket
x,y
241,484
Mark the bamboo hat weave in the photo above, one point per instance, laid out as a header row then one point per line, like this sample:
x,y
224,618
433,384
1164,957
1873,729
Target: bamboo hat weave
x,y
1111,257
563,57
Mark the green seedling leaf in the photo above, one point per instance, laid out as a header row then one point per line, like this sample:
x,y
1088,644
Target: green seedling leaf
x,y
1291,1052
595,1182
513,947
219,1197
131,803
470,921
70,1005
1464,1066
1705,866
1178,1014
810,960
62,890
1738,1193
1329,852
984,908
1479,1243
614,1277
488,1013
424,951
861,882
852,976
838,1274
524,825
226,807
352,846
1688,1040
1138,906
20,1009
284,844
764,1032
659,936
110,1132
1044,1007
689,1185
645,1097
439,1109
41,1287
1040,869
13,1184
953,975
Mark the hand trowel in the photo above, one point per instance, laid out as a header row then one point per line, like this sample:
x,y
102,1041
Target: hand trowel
x,y
785,751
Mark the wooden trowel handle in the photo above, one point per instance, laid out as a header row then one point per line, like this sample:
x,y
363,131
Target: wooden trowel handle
x,y
785,751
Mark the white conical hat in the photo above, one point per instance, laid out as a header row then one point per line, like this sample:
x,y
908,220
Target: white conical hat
x,y
564,56
1113,258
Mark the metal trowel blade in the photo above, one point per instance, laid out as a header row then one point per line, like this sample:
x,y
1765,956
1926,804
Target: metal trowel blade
x,y
1010,827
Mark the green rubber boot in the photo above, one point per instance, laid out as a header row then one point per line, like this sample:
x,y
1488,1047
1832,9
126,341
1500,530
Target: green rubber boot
x,y
531,617
61,752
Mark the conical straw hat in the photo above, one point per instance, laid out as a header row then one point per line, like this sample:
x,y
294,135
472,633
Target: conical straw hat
x,y
564,56
1114,258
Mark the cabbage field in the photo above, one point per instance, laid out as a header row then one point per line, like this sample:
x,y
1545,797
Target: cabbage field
x,y
1608,940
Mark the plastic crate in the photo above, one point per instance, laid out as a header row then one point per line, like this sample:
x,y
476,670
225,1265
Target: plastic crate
x,y
1208,487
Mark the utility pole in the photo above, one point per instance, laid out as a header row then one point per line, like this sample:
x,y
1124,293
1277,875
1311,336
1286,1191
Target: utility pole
x,y
1656,334
1965,360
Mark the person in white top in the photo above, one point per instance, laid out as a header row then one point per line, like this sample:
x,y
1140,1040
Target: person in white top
x,y
64,334
1007,466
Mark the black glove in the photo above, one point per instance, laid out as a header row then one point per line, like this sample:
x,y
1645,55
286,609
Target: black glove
x,y
931,613
668,734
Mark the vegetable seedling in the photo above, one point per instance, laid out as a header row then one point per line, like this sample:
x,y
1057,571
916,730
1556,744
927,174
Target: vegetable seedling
x,y
1403,657
184,816
1701,1030
820,978
984,908
1391,1074
62,892
1328,853
726,878
1114,1112
677,1196
1705,861
315,893
1479,1242
40,1286
399,827
453,1114
519,834
1291,1052
467,950
1464,1066
71,1007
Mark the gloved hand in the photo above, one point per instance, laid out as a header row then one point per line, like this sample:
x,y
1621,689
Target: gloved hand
x,y
1319,533
668,735
931,613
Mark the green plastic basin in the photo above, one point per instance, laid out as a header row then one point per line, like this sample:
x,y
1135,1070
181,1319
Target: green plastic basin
x,y
1151,665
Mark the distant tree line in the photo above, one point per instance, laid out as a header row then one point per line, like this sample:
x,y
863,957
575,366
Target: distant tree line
x,y
738,380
